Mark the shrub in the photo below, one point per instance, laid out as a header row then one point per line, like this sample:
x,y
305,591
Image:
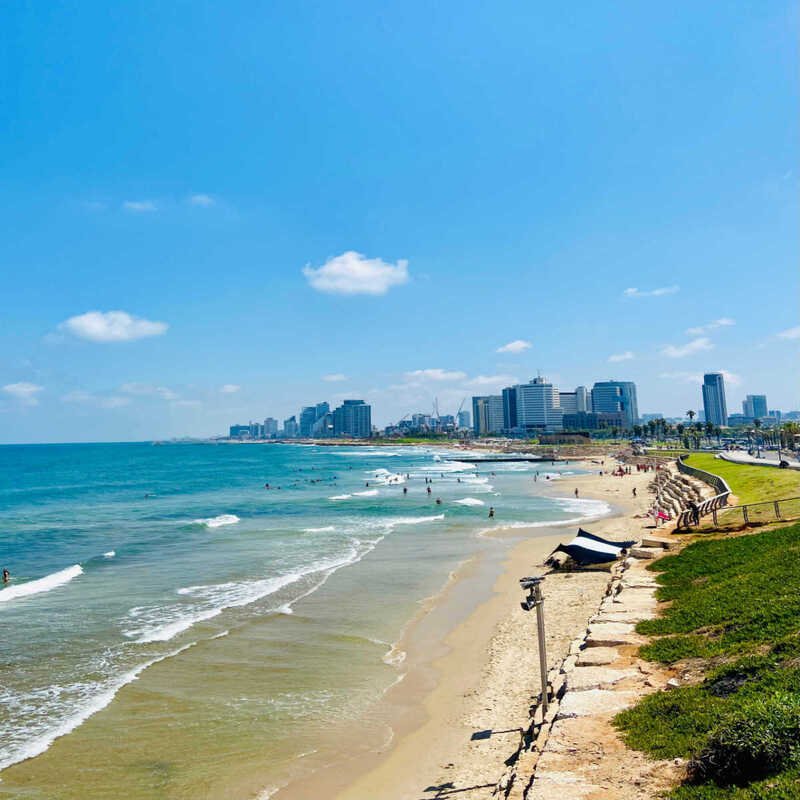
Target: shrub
x,y
761,738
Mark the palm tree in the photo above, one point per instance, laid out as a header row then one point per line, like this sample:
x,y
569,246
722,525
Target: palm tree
x,y
691,414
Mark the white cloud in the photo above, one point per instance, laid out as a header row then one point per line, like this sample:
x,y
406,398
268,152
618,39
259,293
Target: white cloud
x,y
626,356
722,322
101,401
517,346
353,273
24,392
660,292
148,390
683,377
790,333
334,377
112,326
492,380
435,375
690,348
731,378
230,388
202,200
139,206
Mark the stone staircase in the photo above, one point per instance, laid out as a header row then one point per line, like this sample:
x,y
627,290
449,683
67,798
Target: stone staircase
x,y
677,490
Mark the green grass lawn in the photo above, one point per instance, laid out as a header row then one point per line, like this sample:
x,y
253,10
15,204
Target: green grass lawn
x,y
735,610
749,483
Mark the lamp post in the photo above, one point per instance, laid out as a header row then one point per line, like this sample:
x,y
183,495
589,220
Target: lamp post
x,y
535,600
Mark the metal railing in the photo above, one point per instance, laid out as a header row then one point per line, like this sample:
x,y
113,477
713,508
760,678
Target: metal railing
x,y
763,513
691,516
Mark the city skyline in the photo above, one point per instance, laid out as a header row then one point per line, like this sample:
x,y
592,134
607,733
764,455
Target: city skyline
x,y
240,225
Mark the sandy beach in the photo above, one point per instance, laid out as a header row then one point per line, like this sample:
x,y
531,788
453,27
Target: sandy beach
x,y
481,677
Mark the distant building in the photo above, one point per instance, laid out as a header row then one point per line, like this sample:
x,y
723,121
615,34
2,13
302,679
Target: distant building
x,y
487,415
270,427
291,430
323,427
609,397
755,406
583,399
509,396
568,402
734,420
353,419
593,420
464,419
538,406
649,417
322,409
239,432
308,416
716,411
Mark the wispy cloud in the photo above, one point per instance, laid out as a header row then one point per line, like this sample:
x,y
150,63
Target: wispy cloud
x,y
492,380
790,333
626,356
140,206
149,390
353,273
683,377
517,346
230,388
24,392
660,292
81,397
731,377
722,322
334,377
698,345
112,326
201,200
435,375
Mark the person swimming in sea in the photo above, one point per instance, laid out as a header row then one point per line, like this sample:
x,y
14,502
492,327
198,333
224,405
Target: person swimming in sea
x,y
438,501
429,490
6,575
405,490
491,511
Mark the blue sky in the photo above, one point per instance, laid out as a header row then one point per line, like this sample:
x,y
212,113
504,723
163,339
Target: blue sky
x,y
388,194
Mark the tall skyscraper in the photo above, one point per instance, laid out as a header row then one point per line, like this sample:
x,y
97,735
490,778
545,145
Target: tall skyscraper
x,y
609,397
487,414
716,411
291,429
308,416
568,402
509,396
755,406
464,419
538,406
353,418
270,427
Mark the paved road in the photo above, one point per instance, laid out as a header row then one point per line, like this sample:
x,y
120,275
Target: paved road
x,y
770,460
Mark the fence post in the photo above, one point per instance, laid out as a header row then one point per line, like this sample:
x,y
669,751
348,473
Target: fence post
x,y
744,514
777,510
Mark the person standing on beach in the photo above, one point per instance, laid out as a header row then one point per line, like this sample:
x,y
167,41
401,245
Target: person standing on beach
x,y
634,491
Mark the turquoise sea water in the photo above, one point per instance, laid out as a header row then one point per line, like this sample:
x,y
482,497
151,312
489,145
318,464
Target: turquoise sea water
x,y
161,588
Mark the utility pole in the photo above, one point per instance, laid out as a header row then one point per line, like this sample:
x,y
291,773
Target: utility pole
x,y
535,600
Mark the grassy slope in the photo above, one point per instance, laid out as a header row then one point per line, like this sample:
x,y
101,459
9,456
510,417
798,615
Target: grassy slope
x,y
736,606
750,484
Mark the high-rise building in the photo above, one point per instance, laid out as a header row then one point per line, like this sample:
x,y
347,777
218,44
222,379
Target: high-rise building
x,y
270,427
353,418
509,396
609,397
755,406
322,409
239,432
291,430
464,419
716,411
568,402
487,414
538,406
583,398
308,416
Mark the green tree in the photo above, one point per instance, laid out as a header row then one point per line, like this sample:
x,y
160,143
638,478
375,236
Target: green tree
x,y
691,414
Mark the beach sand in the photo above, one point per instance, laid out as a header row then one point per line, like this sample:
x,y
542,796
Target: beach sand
x,y
482,676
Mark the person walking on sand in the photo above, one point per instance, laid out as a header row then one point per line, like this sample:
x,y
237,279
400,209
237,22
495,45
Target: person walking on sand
x,y
576,492
634,491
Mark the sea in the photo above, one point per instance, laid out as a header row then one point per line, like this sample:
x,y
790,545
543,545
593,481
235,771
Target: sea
x,y
216,620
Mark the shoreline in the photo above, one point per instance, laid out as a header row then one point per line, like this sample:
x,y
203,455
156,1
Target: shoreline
x,y
471,661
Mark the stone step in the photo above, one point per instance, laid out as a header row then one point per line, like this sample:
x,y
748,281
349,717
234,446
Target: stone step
x,y
597,656
583,678
595,702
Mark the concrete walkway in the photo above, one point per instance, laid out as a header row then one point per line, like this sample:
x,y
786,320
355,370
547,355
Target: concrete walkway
x,y
738,457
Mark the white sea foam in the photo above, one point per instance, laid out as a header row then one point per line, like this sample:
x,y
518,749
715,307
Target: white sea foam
x,y
323,529
51,581
100,695
470,501
340,497
160,624
588,508
218,522
413,520
366,493
448,466
109,554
